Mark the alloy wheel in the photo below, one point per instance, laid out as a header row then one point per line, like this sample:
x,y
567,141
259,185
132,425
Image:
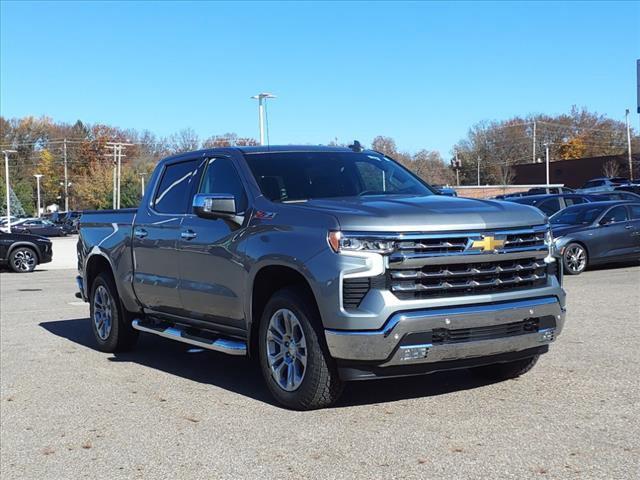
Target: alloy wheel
x,y
286,350
24,260
102,312
576,258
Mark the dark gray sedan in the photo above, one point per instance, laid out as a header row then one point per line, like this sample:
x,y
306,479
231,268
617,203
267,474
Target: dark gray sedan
x,y
598,232
39,226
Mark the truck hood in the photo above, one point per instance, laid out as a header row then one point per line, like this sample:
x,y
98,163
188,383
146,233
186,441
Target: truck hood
x,y
425,214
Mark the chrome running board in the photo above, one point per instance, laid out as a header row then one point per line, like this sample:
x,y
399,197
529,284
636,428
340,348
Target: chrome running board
x,y
224,345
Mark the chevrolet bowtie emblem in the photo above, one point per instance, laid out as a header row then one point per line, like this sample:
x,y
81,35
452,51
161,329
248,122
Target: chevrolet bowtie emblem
x,y
488,244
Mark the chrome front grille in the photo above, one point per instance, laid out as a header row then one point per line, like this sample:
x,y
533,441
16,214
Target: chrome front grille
x,y
430,265
467,278
433,245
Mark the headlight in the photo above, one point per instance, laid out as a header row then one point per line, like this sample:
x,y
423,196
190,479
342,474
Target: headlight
x,y
549,241
341,242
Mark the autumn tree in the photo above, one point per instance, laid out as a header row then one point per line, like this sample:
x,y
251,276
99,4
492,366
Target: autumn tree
x,y
50,183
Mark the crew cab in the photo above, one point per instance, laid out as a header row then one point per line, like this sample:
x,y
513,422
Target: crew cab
x,y
327,265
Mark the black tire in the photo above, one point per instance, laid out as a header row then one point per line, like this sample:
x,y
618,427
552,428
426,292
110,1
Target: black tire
x,y
121,336
505,371
320,385
23,260
575,258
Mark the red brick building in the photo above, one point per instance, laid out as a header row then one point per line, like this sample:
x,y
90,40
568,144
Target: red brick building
x,y
573,173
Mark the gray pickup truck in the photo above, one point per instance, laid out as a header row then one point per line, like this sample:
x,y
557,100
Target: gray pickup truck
x,y
325,264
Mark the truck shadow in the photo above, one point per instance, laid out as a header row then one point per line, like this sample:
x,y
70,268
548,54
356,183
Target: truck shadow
x,y
242,376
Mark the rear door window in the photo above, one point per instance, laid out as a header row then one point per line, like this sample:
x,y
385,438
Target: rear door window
x,y
635,211
616,214
550,206
174,187
573,201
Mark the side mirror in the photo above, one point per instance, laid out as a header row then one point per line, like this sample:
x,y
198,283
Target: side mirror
x,y
208,205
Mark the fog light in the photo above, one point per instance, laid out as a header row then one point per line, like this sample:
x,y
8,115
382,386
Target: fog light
x,y
547,334
414,352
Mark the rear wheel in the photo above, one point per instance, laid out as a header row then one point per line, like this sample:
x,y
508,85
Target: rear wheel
x,y
110,322
23,260
575,259
294,359
505,371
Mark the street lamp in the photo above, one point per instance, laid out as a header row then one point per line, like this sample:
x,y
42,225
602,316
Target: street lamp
x,y
546,153
38,177
6,177
261,97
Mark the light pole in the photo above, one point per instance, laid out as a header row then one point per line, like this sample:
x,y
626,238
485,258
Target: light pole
x,y
6,177
261,97
626,117
478,170
546,153
38,177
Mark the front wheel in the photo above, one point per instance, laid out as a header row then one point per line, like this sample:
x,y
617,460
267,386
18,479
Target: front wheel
x,y
505,371
575,259
294,359
110,323
23,260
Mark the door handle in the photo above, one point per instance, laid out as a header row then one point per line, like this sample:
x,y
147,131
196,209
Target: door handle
x,y
140,232
189,235
628,227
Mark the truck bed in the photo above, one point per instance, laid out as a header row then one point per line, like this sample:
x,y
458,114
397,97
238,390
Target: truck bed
x,y
109,233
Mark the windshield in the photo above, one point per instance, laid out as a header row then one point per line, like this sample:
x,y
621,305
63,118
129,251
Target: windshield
x,y
578,215
295,176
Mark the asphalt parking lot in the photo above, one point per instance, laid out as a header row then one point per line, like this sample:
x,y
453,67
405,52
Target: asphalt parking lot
x,y
69,411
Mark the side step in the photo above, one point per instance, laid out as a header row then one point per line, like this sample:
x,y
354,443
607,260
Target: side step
x,y
224,345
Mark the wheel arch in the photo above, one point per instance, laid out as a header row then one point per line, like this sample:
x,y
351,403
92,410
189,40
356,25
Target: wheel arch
x,y
94,266
581,243
268,280
19,244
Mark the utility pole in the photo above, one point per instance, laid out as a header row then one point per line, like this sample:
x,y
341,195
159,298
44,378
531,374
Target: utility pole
x,y
546,152
6,177
119,149
534,141
261,97
478,170
66,178
38,177
115,184
626,117
117,168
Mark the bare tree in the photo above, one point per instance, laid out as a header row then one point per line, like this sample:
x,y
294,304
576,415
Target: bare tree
x,y
185,141
611,168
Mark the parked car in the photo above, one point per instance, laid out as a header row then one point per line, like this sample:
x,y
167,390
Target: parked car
x,y
632,187
620,195
443,190
23,252
508,196
597,232
551,204
549,190
604,184
39,226
327,264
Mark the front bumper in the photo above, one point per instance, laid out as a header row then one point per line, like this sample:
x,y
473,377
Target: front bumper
x,y
449,334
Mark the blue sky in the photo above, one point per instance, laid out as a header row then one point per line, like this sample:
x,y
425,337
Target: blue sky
x,y
422,73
